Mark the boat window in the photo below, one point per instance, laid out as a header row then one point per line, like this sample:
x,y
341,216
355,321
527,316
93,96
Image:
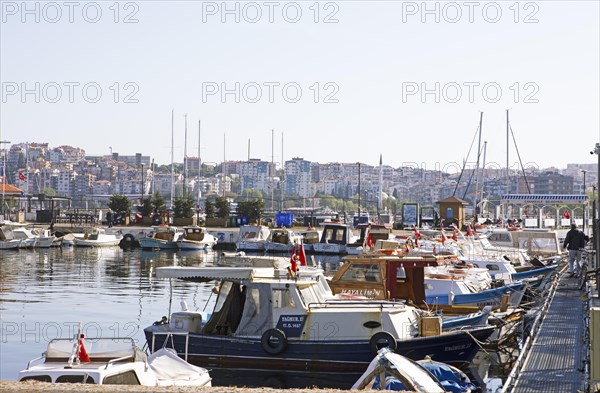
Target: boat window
x,y
492,267
400,272
125,378
307,295
282,298
362,272
41,378
75,379
249,235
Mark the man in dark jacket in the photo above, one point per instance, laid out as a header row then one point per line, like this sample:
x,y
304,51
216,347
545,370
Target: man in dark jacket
x,y
574,243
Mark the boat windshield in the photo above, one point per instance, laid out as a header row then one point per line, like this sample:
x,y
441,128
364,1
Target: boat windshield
x,y
308,296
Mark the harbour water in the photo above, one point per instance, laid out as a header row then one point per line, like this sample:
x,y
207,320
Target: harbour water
x,y
45,294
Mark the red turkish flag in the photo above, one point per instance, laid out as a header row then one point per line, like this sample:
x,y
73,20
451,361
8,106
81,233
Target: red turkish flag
x,y
21,176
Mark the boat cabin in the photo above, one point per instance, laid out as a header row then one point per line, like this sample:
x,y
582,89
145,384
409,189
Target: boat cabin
x,y
194,233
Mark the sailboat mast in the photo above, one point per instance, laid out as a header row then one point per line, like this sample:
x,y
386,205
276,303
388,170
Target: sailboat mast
x,y
172,156
483,174
380,191
477,166
185,164
507,148
199,163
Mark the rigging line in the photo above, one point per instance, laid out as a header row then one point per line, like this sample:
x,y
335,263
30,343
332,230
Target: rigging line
x,y
465,161
471,179
520,161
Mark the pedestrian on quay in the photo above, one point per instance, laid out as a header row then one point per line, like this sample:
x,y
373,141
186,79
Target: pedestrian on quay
x,y
574,242
109,218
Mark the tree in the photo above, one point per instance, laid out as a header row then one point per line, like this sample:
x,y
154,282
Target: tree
x,y
251,209
120,204
49,191
209,209
223,207
151,204
183,207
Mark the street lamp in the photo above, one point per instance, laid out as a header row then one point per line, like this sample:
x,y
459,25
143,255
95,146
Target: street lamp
x,y
596,232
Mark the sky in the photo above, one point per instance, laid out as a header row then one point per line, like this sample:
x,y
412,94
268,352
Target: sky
x,y
331,81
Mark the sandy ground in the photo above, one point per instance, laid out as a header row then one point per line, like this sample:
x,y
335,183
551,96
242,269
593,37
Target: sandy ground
x,y
34,387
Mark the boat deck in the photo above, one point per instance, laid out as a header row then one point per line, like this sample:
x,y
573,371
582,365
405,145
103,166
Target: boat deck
x,y
555,362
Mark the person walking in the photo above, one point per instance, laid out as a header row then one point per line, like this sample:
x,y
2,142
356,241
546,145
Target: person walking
x,y
574,243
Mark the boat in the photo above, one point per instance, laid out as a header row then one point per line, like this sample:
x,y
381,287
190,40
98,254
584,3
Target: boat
x,y
107,361
44,238
28,240
403,277
334,239
7,239
368,235
310,236
96,237
282,240
195,238
252,238
269,318
161,238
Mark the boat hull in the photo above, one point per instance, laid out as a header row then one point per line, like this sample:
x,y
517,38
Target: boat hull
x,y
205,350
329,248
489,297
250,246
148,243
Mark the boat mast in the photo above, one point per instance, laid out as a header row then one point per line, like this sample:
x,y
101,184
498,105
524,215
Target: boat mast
x,y
380,199
483,175
199,164
172,156
477,167
185,167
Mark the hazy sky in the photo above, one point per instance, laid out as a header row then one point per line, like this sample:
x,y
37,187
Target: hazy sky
x,y
343,80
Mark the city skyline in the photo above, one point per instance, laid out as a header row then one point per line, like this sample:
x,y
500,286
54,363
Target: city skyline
x,y
343,80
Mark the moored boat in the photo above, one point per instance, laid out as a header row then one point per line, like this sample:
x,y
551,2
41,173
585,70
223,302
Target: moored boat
x,y
267,318
195,238
96,237
108,361
162,238
252,238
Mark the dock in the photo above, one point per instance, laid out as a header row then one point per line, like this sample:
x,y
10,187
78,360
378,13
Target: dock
x,y
556,357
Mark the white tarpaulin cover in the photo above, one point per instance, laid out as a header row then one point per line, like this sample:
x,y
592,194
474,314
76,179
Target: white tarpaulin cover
x,y
170,369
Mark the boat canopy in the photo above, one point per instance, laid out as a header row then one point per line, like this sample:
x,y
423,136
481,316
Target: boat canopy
x,y
209,274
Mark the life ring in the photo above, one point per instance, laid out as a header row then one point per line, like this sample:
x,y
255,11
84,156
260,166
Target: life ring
x,y
273,341
380,340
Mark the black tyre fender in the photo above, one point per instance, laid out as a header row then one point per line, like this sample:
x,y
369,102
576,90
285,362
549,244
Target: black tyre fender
x,y
380,340
273,341
128,238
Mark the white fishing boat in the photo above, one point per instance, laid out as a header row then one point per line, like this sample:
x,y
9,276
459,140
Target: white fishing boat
x,y
97,237
272,318
195,238
334,239
252,238
310,236
7,239
108,361
28,240
282,240
162,238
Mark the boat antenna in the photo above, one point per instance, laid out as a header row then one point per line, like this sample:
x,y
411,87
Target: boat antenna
x,y
170,296
477,167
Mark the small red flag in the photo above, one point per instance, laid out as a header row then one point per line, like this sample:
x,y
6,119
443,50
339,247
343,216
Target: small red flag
x,y
566,214
469,231
443,237
83,355
21,176
302,254
455,234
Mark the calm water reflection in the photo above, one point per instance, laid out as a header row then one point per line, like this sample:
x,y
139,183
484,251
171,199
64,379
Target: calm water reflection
x,y
44,294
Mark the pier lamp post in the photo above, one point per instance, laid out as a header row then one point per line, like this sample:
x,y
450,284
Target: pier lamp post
x,y
596,232
585,207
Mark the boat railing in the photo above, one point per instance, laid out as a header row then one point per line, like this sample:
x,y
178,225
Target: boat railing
x,y
170,335
111,361
356,303
35,360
